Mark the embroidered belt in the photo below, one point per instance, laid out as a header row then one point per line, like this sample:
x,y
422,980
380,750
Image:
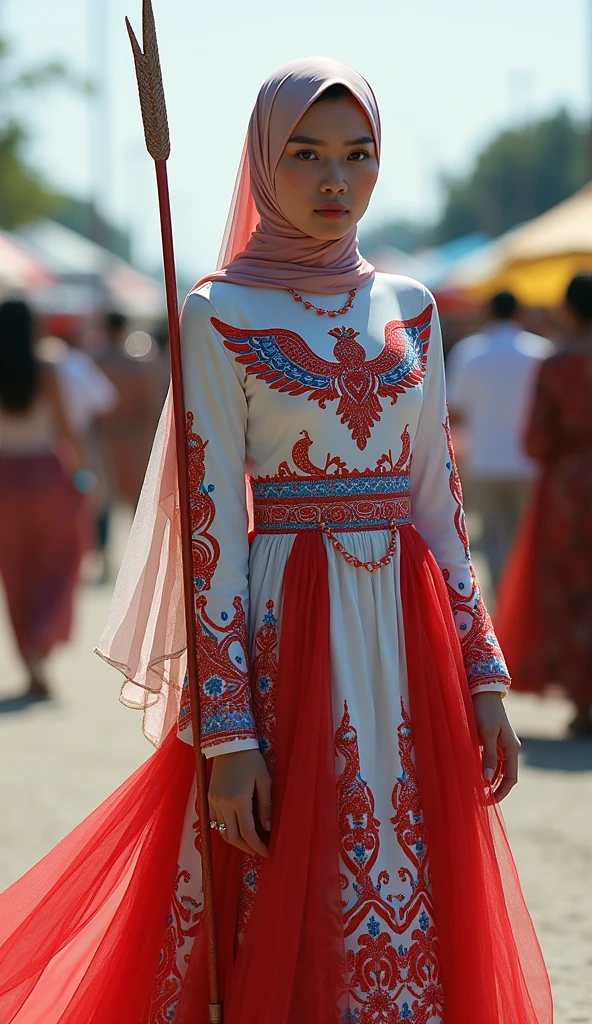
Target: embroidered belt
x,y
335,505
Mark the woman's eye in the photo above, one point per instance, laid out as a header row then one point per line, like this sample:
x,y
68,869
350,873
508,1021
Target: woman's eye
x,y
359,155
306,154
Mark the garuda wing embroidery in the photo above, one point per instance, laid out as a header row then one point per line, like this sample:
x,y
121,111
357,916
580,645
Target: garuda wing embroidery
x,y
403,360
284,360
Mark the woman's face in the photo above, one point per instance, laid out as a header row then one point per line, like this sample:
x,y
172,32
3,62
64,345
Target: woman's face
x,y
327,172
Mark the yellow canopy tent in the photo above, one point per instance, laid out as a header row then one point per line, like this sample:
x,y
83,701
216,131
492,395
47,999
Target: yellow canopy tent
x,y
535,261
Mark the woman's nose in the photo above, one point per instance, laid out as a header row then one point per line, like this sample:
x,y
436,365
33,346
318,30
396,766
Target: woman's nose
x,y
334,180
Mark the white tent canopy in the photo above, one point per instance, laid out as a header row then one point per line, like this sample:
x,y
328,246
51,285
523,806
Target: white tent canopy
x,y
19,269
89,277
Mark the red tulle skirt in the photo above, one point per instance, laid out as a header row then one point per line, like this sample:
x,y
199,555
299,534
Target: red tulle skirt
x,y
82,931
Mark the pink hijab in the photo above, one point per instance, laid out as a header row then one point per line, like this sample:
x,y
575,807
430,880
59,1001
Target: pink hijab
x,y
144,636
260,247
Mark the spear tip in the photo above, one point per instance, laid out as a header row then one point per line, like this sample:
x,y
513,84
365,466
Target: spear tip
x,y
150,86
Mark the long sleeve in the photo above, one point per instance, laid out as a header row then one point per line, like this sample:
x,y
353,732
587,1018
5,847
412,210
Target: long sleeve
x,y
216,412
438,515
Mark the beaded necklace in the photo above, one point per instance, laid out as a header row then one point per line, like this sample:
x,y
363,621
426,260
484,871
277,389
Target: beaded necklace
x,y
324,312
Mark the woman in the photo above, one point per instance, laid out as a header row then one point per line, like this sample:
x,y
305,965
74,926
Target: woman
x,y
358,851
545,610
40,528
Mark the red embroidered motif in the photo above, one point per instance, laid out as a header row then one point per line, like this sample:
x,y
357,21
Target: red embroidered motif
x,y
329,508
456,491
287,363
302,461
265,678
483,659
222,660
387,983
206,549
184,720
182,924
223,676
344,499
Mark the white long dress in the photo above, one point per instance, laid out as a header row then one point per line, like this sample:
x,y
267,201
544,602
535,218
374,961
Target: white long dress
x,y
342,422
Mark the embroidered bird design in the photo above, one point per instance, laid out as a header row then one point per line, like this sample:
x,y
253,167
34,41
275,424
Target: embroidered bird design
x,y
287,363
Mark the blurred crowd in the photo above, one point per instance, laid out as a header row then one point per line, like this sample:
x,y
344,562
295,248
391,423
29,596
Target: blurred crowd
x,y
79,406
520,405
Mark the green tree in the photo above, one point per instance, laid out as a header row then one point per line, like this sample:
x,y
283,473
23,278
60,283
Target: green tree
x,y
24,193
399,234
519,175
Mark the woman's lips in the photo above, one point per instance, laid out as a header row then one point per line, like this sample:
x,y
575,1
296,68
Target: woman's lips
x,y
332,214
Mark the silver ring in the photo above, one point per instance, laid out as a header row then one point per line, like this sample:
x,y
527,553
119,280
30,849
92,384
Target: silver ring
x,y
222,827
213,824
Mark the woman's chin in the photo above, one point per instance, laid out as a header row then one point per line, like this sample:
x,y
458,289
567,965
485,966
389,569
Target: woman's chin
x,y
329,231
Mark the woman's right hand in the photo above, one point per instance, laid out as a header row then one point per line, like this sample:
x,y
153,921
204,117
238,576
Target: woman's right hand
x,y
238,779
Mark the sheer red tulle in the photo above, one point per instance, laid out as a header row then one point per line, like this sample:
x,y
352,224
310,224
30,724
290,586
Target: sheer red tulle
x,y
491,964
82,931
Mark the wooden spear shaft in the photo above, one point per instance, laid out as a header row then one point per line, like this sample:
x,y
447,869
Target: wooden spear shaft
x,y
156,130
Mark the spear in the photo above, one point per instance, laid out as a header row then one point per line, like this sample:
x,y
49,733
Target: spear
x,y
156,131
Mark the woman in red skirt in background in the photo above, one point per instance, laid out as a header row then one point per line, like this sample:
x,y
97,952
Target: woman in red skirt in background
x,y
40,506
544,620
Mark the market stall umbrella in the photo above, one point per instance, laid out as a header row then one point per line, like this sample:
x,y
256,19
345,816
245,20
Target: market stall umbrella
x,y
19,270
537,260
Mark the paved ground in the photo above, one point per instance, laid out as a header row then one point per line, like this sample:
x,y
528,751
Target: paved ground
x,y
59,761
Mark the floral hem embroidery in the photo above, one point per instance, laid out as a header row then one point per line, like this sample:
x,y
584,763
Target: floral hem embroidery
x,y
386,981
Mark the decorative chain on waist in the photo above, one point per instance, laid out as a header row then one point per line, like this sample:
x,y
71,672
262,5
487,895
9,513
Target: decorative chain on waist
x,y
335,505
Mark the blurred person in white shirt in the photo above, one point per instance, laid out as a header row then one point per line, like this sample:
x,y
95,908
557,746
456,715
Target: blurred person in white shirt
x,y
490,380
87,391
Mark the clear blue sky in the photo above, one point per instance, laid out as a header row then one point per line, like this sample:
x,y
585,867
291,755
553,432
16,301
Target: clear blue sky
x,y
448,74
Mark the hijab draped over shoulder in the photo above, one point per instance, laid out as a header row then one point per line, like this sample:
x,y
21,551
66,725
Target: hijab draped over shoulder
x,y
145,635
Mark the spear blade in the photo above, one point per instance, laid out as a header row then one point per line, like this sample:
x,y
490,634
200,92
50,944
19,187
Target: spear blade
x,y
150,86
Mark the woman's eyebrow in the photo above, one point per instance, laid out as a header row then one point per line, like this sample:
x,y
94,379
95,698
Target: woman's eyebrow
x,y
307,140
364,140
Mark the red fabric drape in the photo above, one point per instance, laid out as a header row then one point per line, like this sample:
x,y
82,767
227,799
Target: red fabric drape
x,y
491,964
82,931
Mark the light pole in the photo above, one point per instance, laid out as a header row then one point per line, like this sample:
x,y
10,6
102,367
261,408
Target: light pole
x,y
100,149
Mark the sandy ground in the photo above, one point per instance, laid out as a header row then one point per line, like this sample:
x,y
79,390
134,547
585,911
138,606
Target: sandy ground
x,y
59,760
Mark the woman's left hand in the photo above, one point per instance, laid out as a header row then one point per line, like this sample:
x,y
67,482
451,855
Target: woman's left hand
x,y
501,745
